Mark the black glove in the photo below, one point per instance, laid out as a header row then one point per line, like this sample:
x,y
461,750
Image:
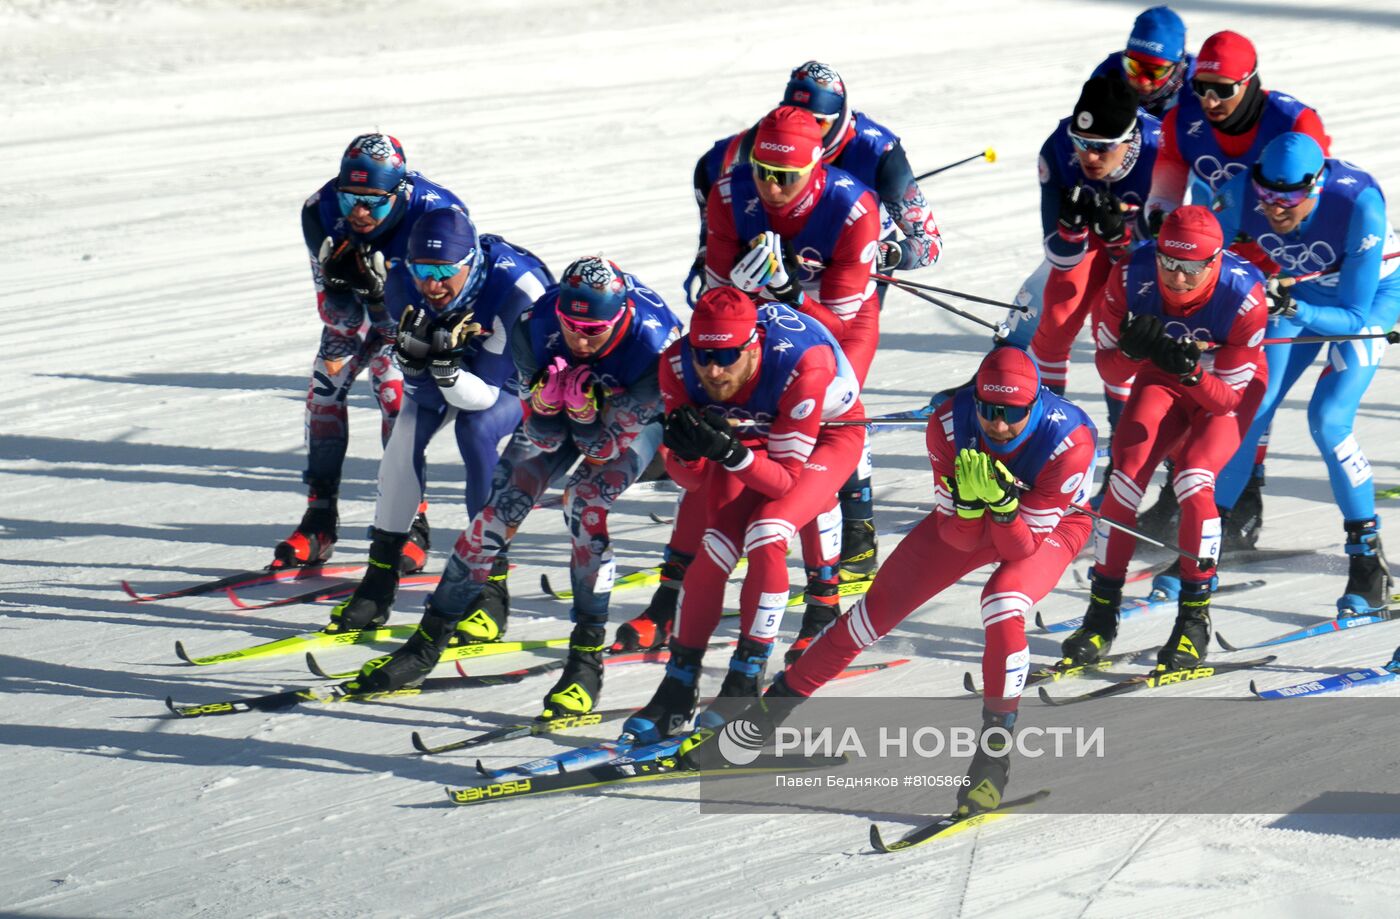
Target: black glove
x,y
1281,302
338,267
695,281
1179,358
790,292
414,345
891,254
450,336
1139,335
1076,207
368,281
1154,222
1107,220
692,436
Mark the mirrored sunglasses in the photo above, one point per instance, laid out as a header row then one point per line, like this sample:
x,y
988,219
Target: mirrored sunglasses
x,y
1011,414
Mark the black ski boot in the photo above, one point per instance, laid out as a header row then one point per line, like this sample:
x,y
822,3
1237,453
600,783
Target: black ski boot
x,y
991,765
1240,525
1160,521
1368,582
1190,638
486,620
1093,639
860,550
673,704
741,684
415,551
369,606
313,541
823,607
411,662
581,684
652,628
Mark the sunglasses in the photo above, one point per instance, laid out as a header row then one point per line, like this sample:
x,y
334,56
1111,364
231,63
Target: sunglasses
x,y
438,272
1273,194
1184,265
378,204
1011,414
782,176
1221,91
1102,144
588,328
724,357
1143,72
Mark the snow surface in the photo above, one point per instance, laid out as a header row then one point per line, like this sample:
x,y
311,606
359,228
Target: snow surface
x,y
161,326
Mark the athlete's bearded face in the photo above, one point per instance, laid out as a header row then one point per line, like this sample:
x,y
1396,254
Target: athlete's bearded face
x,y
999,431
721,384
359,218
1286,219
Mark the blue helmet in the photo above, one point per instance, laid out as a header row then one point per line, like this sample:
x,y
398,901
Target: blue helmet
x,y
373,161
446,234
1291,160
820,90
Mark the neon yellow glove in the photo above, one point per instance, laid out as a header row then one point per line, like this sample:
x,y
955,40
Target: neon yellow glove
x,y
989,480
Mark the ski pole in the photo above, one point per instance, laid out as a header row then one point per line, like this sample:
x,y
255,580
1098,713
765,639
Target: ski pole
x,y
989,153
999,328
1390,337
890,279
1298,279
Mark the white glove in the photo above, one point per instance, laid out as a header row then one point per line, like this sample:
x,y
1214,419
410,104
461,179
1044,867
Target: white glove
x,y
762,266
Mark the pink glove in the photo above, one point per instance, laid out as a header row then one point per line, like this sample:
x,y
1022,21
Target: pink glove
x,y
547,388
583,394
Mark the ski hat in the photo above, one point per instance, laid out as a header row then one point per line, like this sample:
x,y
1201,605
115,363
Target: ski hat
x,y
444,234
1290,160
1192,233
788,136
1158,33
724,317
1229,55
592,289
819,89
373,161
1107,107
1007,376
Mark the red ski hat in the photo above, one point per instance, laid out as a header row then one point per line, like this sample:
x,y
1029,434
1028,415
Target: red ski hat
x,y
1191,233
724,317
1229,55
1007,376
788,136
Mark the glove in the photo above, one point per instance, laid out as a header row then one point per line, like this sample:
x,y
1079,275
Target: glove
x,y
891,254
584,395
1106,221
451,335
988,480
769,264
692,436
338,266
1076,206
965,500
1281,302
1154,221
695,281
1139,335
368,280
677,432
547,388
414,343
1179,358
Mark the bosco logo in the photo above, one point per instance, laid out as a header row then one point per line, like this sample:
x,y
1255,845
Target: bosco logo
x,y
1175,244
712,336
777,148
998,387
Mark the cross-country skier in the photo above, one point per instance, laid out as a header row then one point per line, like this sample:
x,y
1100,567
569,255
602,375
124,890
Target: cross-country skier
x,y
1186,319
353,226
587,352
1305,213
787,202
998,433
451,280
747,393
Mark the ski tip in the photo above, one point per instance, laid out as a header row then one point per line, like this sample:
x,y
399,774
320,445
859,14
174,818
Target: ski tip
x,y
481,769
170,704
235,599
131,592
1039,620
419,745
876,842
1045,696
315,667
181,653
1220,640
1254,689
968,684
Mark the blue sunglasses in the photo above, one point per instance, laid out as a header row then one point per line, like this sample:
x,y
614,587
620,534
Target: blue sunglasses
x,y
438,272
722,356
378,204
1011,414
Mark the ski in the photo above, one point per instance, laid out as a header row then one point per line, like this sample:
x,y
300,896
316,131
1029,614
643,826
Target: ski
x,y
280,701
524,729
1369,675
1058,671
951,825
1155,679
642,577
298,643
1137,607
1321,628
335,590
249,578
645,764
452,653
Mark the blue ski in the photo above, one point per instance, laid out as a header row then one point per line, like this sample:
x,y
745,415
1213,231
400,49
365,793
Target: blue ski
x,y
1322,628
1373,675
1142,605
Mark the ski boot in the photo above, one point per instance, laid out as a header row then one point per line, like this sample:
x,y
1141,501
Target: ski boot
x,y
823,607
859,550
673,704
1240,525
741,684
1160,521
652,628
1167,585
1394,665
313,541
369,606
1368,582
415,551
1093,639
411,662
486,619
580,686
991,765
1190,638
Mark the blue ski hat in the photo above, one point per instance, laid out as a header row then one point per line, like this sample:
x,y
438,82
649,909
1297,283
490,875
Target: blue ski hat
x,y
1159,32
446,234
1291,160
592,289
373,161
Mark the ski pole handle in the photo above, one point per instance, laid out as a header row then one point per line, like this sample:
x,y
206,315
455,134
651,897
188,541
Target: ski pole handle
x,y
890,279
989,153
